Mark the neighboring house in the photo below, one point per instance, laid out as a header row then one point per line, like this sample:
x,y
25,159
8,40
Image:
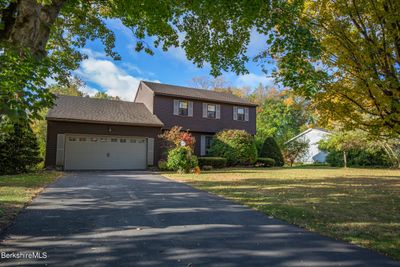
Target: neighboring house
x,y
312,136
94,134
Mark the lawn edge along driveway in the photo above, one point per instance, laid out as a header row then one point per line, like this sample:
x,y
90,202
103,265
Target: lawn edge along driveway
x,y
358,206
17,191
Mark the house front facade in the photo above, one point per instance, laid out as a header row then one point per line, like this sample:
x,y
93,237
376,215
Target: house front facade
x,y
96,134
201,112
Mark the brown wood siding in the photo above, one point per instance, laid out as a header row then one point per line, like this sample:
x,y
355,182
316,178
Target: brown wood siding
x,y
146,96
163,109
59,127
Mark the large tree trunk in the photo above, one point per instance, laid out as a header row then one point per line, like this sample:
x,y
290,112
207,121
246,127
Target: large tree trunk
x,y
27,24
345,159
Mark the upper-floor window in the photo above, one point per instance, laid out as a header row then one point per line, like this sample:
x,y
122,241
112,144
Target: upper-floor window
x,y
183,107
211,111
241,113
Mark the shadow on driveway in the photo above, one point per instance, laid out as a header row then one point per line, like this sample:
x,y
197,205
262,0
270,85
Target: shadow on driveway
x,y
143,219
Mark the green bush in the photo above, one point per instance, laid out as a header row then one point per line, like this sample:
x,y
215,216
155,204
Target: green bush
x,y
181,159
215,162
267,162
19,150
237,146
207,168
359,158
162,165
270,149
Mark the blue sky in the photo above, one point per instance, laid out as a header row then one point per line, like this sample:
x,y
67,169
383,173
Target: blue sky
x,y
121,78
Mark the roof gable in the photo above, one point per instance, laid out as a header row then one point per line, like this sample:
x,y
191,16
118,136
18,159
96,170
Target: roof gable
x,y
194,93
306,132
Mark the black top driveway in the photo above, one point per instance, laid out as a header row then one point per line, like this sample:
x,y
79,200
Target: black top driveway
x,y
143,219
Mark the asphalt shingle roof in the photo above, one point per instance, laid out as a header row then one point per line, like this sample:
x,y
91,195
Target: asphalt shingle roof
x,y
193,93
85,109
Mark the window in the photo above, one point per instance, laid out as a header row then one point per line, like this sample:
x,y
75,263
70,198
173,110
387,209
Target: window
x,y
114,140
82,139
94,139
183,108
122,140
211,111
209,139
240,114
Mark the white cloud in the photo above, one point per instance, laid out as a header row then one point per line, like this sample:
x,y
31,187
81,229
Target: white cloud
x,y
253,80
87,90
108,76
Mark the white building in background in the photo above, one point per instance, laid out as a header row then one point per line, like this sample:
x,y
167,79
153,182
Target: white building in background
x,y
313,136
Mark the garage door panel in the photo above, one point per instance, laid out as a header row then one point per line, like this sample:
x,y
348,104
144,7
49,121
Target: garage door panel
x,y
104,153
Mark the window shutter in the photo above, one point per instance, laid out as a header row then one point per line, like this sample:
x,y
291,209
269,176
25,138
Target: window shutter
x,y
190,109
218,112
246,114
202,145
235,113
204,110
176,107
150,151
60,150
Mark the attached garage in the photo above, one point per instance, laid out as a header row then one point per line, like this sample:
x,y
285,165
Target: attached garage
x,y
93,152
93,134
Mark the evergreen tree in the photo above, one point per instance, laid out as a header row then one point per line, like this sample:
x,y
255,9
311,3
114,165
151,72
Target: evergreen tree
x,y
270,149
19,149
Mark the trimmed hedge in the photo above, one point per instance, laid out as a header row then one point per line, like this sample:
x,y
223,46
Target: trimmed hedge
x,y
267,162
215,162
237,146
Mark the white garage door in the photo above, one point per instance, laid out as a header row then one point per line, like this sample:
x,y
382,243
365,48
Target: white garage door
x,y
89,152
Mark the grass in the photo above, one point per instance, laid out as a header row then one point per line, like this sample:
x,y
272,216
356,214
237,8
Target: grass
x,y
16,191
360,206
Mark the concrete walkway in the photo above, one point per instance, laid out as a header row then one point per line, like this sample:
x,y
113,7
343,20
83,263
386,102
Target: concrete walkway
x,y
143,219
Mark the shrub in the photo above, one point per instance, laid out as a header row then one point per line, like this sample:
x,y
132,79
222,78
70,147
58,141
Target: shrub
x,y
270,149
180,159
296,150
207,167
162,165
267,162
215,162
358,157
19,150
237,146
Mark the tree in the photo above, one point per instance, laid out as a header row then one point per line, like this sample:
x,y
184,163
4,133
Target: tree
x,y
42,38
270,149
282,116
72,88
345,55
208,83
19,150
295,150
104,95
346,142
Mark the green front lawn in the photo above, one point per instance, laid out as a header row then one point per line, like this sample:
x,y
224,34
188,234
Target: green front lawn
x,y
18,190
361,206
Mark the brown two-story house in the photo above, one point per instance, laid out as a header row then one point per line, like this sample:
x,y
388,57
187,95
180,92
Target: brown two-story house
x,y
202,112
97,134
